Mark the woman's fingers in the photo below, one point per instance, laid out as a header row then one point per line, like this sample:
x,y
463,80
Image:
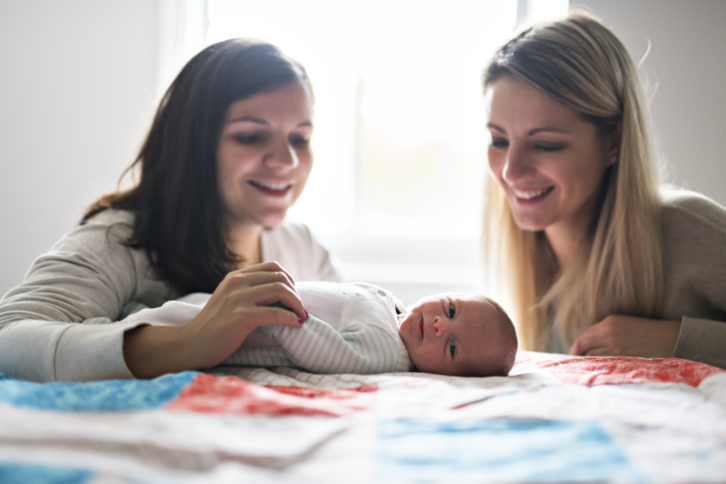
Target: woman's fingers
x,y
267,267
278,294
618,335
267,315
260,278
224,324
250,278
594,338
246,299
582,345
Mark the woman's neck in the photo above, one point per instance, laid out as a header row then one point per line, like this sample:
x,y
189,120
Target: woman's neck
x,y
565,242
244,240
564,248
568,235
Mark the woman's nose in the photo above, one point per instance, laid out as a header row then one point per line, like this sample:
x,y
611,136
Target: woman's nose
x,y
516,166
281,155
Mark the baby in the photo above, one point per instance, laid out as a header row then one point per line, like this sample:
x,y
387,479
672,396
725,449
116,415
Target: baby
x,y
361,328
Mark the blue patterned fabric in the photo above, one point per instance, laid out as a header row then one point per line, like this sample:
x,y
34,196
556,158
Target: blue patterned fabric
x,y
108,395
501,450
33,474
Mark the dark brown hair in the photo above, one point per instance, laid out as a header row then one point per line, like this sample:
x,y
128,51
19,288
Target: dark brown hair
x,y
176,202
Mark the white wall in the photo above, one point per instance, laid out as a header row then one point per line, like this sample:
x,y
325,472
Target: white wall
x,y
77,91
688,62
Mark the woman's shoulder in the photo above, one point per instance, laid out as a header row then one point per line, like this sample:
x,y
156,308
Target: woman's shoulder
x,y
694,235
295,248
685,210
694,255
108,229
112,216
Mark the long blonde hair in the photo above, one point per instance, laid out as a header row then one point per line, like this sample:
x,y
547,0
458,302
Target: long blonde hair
x,y
618,268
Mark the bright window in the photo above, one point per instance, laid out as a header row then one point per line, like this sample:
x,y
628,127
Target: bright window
x,y
399,143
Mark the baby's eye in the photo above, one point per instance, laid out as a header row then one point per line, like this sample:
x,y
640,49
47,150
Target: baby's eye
x,y
452,310
452,348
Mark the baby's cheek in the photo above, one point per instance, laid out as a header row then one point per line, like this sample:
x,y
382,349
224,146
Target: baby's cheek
x,y
414,358
424,362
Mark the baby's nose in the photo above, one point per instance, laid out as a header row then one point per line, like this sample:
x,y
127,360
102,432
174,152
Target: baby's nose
x,y
441,326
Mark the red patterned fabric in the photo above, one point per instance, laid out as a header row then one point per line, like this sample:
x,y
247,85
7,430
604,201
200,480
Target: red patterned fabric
x,y
592,371
210,394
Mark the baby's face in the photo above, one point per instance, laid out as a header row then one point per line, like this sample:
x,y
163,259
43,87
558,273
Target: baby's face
x,y
450,334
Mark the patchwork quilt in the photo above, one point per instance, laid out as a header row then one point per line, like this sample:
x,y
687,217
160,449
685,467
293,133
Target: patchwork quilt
x,y
556,418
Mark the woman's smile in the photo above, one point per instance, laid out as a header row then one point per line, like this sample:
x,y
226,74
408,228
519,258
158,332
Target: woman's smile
x,y
531,195
264,156
547,160
271,189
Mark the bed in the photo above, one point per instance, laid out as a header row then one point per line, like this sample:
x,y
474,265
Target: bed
x,y
556,418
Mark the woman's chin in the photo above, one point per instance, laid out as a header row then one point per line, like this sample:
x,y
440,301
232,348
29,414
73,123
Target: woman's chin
x,y
273,224
272,219
529,225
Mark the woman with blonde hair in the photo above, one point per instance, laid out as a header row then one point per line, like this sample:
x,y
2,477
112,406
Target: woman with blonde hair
x,y
595,259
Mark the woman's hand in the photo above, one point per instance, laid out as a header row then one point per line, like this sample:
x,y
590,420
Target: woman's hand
x,y
244,300
618,335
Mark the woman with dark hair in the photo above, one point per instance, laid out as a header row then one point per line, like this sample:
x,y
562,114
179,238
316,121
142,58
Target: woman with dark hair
x,y
227,154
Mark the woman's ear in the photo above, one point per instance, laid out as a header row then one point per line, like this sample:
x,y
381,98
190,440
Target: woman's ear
x,y
614,142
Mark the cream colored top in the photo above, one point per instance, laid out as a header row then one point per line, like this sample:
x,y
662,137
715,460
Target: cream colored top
x,y
91,274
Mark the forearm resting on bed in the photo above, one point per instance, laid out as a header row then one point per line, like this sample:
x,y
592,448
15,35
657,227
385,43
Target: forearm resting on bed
x,y
151,351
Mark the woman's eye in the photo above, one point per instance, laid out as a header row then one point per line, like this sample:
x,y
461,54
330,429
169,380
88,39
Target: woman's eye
x,y
549,148
452,310
299,141
452,348
248,139
499,143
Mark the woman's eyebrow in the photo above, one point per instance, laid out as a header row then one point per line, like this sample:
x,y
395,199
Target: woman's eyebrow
x,y
494,126
533,131
547,129
250,119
